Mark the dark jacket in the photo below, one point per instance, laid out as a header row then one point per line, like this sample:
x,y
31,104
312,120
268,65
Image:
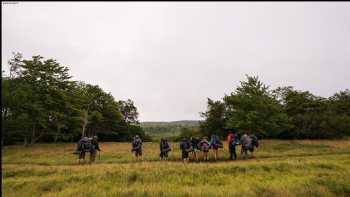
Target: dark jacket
x,y
136,144
95,145
233,141
194,143
185,145
255,141
164,146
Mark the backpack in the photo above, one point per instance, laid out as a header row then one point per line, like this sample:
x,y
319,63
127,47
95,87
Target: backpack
x,y
204,146
234,141
85,145
216,141
185,145
165,147
255,141
136,144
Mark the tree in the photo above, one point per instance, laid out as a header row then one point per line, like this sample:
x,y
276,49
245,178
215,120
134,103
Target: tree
x,y
214,122
315,117
98,110
42,103
129,111
49,82
251,107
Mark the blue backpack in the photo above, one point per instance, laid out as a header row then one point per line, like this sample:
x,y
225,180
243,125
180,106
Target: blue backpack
x,y
136,144
85,145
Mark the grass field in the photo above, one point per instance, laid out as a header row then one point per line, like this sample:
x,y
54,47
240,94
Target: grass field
x,y
282,168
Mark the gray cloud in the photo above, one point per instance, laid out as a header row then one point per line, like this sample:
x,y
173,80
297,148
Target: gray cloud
x,y
170,56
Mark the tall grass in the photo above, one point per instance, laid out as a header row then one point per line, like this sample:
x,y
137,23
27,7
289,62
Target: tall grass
x,y
282,168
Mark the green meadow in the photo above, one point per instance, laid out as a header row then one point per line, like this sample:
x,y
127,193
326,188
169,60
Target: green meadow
x,y
281,168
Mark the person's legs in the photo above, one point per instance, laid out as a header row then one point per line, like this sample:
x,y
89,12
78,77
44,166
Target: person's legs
x,y
242,151
135,155
140,154
92,156
185,155
245,153
234,152
215,151
231,153
166,155
81,156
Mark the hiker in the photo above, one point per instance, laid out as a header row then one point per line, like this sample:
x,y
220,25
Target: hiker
x,y
94,148
83,146
185,147
232,141
137,147
255,143
195,148
248,143
204,147
164,149
215,144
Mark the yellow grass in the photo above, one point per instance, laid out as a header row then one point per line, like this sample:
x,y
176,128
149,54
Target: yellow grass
x,y
282,168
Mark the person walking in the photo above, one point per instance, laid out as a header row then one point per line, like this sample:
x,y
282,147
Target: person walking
x,y
204,146
215,144
232,141
94,148
137,147
195,148
164,149
185,147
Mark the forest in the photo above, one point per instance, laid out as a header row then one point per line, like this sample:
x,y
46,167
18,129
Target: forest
x,y
41,103
282,113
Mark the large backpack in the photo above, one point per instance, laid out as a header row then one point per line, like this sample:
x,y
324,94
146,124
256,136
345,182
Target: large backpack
x,y
136,144
194,143
216,141
185,145
255,141
85,145
165,147
204,146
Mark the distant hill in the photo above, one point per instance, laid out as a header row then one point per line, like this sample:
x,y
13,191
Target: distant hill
x,y
169,129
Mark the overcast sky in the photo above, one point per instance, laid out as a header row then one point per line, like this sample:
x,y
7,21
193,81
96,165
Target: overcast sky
x,y
168,57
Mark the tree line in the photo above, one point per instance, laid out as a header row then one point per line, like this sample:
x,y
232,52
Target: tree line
x,y
284,113
41,103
